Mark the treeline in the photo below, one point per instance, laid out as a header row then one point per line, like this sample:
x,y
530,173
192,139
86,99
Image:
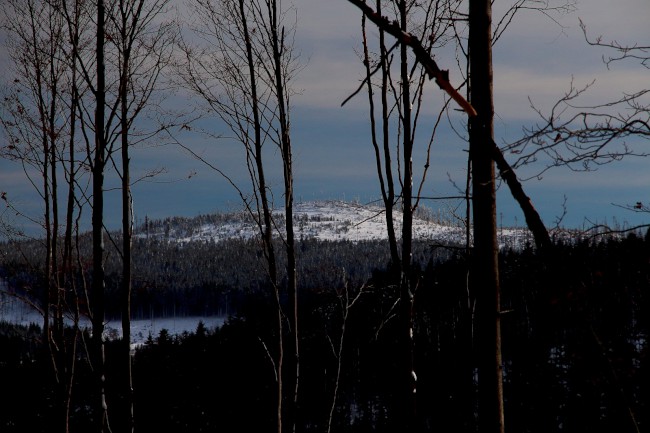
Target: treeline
x,y
575,350
205,278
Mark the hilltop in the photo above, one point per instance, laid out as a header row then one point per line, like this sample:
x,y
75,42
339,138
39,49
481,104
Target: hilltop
x,y
326,220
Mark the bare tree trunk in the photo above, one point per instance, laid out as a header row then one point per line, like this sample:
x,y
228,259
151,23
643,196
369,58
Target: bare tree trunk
x,y
293,368
268,232
54,280
54,231
385,170
36,33
267,218
485,281
127,220
98,284
260,77
68,272
38,71
127,230
406,291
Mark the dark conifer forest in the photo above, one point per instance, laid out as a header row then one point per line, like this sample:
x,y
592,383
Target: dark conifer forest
x,y
575,352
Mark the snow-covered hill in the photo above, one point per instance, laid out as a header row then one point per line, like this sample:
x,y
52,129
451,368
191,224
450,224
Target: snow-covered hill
x,y
329,220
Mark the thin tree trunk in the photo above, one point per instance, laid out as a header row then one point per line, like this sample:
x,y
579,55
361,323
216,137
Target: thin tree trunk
x,y
127,228
406,291
54,231
98,307
44,118
68,276
389,201
385,171
287,161
45,141
57,334
267,228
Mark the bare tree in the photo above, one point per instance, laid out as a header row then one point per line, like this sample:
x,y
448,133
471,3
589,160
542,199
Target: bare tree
x,y
483,153
116,81
249,90
34,38
385,170
98,169
401,87
143,50
41,126
346,303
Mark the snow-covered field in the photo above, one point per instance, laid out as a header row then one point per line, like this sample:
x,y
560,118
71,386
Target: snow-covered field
x,y
16,311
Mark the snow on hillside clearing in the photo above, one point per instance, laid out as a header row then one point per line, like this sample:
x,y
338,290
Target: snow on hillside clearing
x,y
332,221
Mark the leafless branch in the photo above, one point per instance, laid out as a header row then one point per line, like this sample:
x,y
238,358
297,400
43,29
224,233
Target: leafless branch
x,y
431,67
635,51
584,137
540,6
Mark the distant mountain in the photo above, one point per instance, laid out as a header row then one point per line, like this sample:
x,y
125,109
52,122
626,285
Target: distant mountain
x,y
330,220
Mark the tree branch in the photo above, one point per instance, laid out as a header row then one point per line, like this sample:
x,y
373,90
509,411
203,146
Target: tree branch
x,y
441,77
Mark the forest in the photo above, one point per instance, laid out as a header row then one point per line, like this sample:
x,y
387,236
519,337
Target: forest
x,y
397,333
575,350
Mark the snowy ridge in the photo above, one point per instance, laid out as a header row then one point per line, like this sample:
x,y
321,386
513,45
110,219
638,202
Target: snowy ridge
x,y
333,220
356,222
327,221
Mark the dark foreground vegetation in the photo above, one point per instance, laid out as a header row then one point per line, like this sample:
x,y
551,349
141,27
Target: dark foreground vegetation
x,y
575,328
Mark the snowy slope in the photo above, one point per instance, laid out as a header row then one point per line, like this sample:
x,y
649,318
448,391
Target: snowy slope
x,y
339,220
326,220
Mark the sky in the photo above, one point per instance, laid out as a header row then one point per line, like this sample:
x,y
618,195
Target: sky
x,y
536,59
